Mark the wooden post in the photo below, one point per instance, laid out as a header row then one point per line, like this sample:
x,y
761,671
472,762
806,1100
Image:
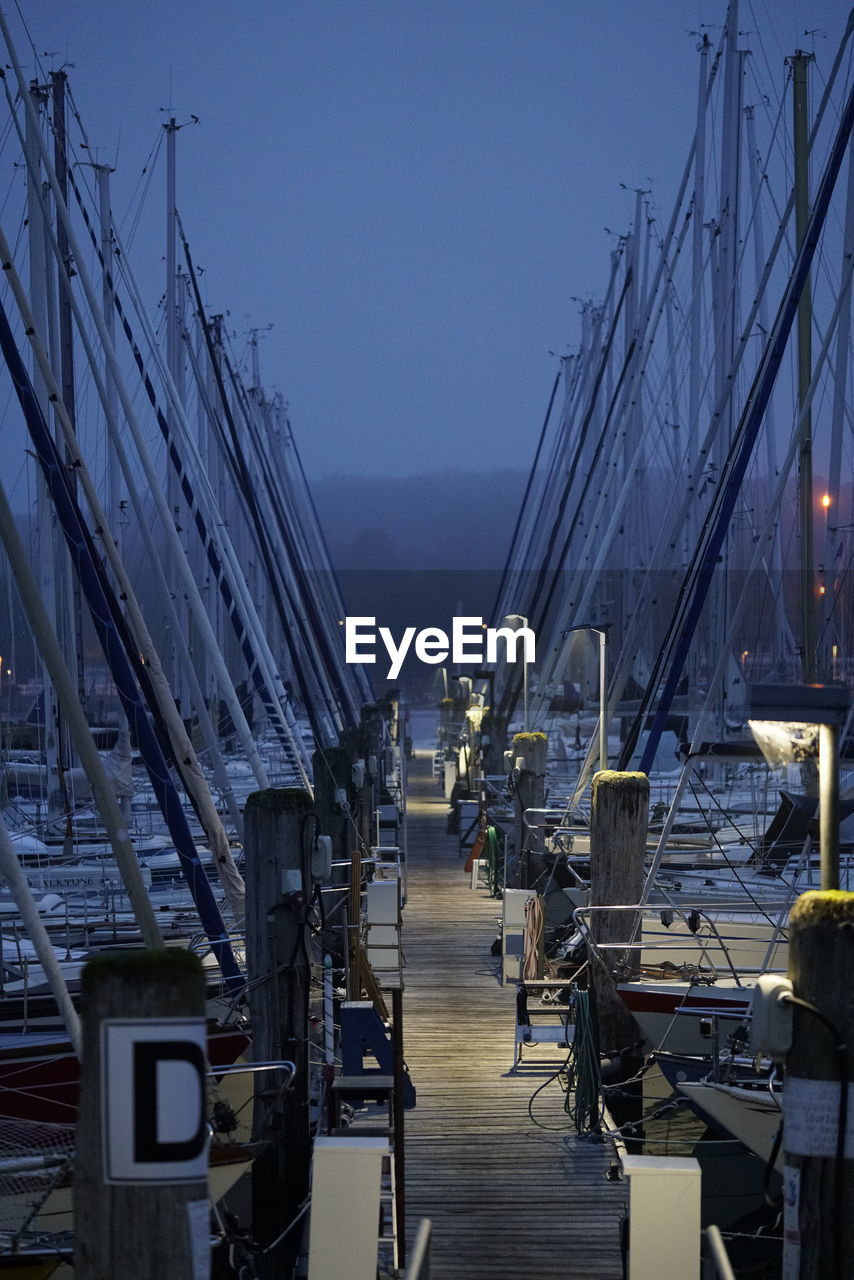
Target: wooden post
x,y
129,1128
368,743
493,751
526,865
618,823
819,1190
332,769
333,775
352,740
278,831
372,728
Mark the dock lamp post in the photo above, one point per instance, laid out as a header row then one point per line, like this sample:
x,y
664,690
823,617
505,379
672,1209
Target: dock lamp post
x,y
601,630
798,722
517,620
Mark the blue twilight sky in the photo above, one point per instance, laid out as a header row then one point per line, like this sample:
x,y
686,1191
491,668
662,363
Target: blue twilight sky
x,y
413,193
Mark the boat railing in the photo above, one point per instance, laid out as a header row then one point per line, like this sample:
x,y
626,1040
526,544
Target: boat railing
x,y
711,937
557,816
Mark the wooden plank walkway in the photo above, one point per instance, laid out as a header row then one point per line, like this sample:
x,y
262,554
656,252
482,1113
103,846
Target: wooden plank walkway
x,y
506,1198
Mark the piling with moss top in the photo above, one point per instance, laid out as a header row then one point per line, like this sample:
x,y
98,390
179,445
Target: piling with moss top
x,y
818,1148
141,1226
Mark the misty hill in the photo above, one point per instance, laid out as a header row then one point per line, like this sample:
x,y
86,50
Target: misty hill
x,y
439,520
419,550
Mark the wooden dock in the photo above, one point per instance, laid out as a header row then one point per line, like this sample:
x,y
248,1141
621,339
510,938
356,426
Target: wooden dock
x,y
506,1198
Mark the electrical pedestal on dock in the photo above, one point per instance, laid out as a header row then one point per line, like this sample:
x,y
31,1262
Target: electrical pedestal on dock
x,y
664,1217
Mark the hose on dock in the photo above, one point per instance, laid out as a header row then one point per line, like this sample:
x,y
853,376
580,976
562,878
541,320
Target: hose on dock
x,y
583,1082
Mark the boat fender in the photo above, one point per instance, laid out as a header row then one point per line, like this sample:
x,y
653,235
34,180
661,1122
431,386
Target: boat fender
x,y
619,1067
609,1069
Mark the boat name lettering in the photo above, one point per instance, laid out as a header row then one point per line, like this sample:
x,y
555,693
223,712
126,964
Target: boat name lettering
x,y
471,641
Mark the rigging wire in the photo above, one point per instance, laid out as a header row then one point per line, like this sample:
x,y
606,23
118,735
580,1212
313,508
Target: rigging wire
x,y
733,868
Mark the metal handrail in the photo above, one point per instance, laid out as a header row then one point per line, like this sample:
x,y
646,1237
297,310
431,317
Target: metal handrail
x,y
419,1262
720,1257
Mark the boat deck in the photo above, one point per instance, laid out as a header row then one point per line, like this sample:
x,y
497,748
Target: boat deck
x,y
506,1198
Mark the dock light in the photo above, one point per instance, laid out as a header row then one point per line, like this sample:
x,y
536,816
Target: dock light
x,y
801,722
601,630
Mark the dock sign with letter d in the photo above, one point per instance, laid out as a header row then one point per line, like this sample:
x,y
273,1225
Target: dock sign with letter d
x,y
153,1100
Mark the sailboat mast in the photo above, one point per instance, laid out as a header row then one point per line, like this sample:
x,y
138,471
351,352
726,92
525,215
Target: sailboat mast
x,y
66,352
171,259
173,492
726,317
775,553
115,494
46,557
696,320
805,481
60,164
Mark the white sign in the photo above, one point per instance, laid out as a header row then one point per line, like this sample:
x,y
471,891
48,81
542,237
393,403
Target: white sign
x,y
811,1118
153,1100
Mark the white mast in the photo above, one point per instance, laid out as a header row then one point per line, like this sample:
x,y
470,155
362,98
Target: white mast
x,y
46,544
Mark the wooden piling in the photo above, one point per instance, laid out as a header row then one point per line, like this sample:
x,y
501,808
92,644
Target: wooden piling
x,y
818,1185
526,866
141,1227
333,777
618,824
493,750
279,828
333,788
